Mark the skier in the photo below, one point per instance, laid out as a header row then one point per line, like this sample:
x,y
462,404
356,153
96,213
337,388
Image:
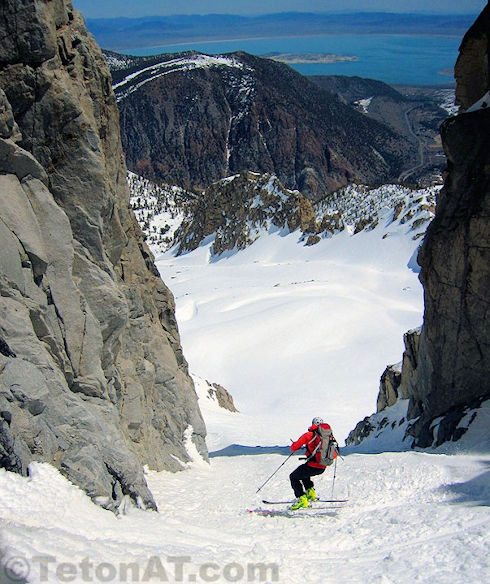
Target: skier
x,y
303,487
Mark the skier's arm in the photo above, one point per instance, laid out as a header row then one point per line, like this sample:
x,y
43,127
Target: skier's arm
x,y
301,441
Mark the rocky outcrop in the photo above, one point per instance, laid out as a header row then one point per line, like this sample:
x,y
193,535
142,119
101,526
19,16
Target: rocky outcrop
x,y
388,387
472,69
222,396
92,375
192,119
236,210
446,368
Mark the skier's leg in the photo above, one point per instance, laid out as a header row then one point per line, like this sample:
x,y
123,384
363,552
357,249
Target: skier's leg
x,y
309,472
296,477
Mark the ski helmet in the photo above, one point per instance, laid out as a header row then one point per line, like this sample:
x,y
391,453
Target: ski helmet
x,y
316,421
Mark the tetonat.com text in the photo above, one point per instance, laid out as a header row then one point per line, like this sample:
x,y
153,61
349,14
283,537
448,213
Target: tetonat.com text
x,y
155,569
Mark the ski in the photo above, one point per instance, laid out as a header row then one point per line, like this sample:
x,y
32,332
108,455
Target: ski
x,y
316,501
307,512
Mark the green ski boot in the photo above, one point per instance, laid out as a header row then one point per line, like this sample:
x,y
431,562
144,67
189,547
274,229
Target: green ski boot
x,y
311,494
300,503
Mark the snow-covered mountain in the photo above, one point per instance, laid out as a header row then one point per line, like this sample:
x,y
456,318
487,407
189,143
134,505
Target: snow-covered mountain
x,y
236,211
292,330
135,80
192,119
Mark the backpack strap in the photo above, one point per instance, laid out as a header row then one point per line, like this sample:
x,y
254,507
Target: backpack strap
x,y
315,450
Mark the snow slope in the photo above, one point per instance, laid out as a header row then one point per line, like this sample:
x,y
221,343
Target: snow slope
x,y
411,517
294,331
183,62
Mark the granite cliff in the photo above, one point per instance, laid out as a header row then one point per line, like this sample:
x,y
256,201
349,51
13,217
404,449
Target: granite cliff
x,y
445,372
92,375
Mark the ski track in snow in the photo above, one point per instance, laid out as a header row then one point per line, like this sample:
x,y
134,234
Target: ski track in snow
x,y
411,517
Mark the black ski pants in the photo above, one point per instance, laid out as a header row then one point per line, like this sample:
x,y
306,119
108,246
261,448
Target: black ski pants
x,y
301,478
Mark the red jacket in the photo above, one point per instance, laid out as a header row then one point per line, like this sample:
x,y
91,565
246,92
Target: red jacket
x,y
310,440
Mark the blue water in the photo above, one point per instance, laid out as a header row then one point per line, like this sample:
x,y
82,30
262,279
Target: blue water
x,y
395,59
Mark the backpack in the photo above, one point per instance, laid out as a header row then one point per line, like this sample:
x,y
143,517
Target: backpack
x,y
327,447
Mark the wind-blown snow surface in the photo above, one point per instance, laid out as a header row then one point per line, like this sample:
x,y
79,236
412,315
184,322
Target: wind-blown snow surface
x,y
294,332
411,517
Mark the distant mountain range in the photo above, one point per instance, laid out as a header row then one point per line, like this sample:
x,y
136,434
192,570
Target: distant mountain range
x,y
127,33
191,119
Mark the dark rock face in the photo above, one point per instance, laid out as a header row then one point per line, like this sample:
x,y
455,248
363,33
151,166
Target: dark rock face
x,y
455,260
92,376
195,126
446,368
472,69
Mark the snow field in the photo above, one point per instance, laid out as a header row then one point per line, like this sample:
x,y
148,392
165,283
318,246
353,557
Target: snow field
x,y
292,331
411,517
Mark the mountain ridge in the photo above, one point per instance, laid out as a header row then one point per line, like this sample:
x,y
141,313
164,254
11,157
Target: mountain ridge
x,y
234,212
127,33
191,119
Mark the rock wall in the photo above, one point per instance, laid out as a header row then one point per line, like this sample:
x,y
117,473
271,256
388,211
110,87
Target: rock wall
x,y
454,353
472,69
446,365
92,375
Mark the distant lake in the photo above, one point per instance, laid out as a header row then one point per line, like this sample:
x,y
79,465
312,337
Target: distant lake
x,y
395,59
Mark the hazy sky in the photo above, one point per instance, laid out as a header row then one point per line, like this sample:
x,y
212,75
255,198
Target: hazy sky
x,y
114,8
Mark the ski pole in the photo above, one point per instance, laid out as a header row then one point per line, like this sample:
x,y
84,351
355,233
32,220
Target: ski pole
x,y
280,466
334,473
